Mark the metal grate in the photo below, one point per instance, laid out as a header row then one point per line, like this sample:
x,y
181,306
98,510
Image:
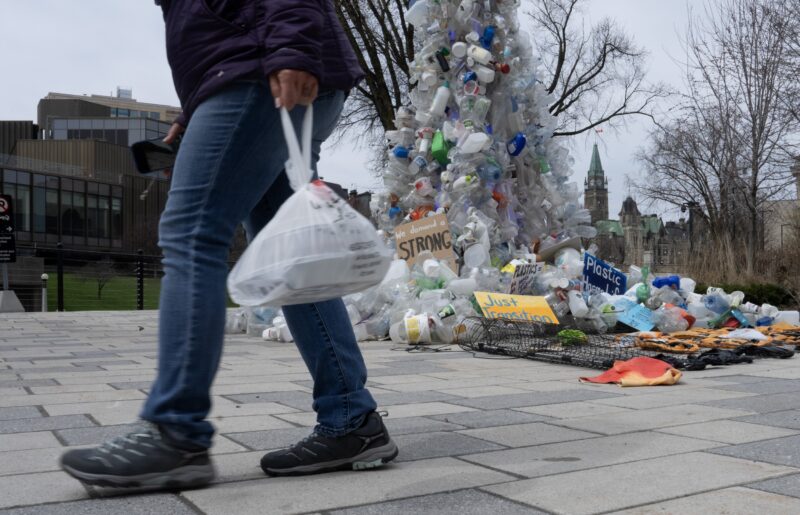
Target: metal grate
x,y
541,342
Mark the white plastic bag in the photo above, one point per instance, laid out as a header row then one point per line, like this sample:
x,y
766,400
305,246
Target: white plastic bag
x,y
316,247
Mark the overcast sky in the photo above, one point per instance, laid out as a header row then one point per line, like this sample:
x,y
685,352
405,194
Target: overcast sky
x,y
93,46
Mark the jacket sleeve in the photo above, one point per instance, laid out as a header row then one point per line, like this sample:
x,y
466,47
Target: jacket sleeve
x,y
293,36
181,120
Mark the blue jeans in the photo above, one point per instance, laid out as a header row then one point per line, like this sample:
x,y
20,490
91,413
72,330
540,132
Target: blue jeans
x,y
230,170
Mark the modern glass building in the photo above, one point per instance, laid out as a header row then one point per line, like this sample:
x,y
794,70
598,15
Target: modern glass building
x,y
72,176
52,209
117,130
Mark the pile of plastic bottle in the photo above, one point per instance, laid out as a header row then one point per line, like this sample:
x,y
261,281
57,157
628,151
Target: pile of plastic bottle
x,y
428,303
476,142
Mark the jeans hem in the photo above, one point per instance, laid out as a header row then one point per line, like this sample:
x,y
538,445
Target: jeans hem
x,y
339,432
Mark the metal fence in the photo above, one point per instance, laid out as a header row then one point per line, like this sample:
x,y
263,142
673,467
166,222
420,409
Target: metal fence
x,y
81,280
57,278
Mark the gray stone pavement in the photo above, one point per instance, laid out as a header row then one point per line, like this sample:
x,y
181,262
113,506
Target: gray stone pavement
x,y
476,435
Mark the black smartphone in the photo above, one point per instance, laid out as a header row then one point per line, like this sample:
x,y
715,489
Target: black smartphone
x,y
153,155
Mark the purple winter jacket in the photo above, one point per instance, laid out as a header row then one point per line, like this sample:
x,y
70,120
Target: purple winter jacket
x,y
212,43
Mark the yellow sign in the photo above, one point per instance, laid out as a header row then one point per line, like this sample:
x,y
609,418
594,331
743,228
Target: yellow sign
x,y
521,308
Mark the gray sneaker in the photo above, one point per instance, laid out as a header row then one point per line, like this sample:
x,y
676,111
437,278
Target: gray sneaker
x,y
142,458
367,447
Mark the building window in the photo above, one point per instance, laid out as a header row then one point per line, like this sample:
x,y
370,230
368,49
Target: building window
x,y
39,205
51,212
103,217
116,218
22,208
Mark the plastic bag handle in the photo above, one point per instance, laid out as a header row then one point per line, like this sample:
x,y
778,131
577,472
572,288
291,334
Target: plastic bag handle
x,y
298,167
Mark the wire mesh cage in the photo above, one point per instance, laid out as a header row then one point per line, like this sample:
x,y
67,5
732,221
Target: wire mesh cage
x,y
547,342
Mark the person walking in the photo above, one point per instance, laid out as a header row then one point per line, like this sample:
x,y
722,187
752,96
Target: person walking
x,y
235,64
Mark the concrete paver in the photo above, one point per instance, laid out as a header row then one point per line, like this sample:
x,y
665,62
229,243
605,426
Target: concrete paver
x,y
329,491
730,501
729,431
475,435
631,484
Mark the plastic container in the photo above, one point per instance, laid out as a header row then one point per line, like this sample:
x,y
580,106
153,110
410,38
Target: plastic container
x,y
717,303
440,99
669,320
485,75
788,317
577,306
687,284
673,281
476,256
474,143
478,54
361,332
459,49
413,330
417,14
463,287
353,314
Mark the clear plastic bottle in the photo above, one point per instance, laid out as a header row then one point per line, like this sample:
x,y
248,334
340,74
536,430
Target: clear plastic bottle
x,y
716,303
577,305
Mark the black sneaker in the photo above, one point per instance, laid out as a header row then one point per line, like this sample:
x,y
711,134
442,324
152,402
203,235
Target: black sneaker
x,y
367,447
142,458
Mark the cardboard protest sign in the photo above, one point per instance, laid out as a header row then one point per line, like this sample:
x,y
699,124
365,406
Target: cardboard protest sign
x,y
431,233
520,308
635,315
524,275
600,276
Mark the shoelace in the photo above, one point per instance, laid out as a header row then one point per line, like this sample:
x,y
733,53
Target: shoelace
x,y
299,445
143,433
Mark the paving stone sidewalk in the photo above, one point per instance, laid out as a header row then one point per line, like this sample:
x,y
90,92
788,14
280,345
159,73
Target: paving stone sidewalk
x,y
476,435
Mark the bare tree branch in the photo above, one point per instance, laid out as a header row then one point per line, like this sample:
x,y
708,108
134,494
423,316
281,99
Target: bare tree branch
x,y
731,141
596,76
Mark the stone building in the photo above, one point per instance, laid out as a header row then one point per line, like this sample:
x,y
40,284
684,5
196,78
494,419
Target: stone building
x,y
634,238
595,191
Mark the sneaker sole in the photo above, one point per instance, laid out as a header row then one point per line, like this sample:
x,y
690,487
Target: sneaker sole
x,y
184,477
367,460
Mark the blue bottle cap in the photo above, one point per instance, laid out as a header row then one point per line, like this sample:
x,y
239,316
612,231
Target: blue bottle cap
x,y
488,37
516,144
400,152
470,75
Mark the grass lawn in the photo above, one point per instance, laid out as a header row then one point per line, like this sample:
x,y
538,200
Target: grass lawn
x,y
80,294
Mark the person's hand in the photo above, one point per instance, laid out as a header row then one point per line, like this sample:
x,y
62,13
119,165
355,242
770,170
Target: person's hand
x,y
173,133
292,87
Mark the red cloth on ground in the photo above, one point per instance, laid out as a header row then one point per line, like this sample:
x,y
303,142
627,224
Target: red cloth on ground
x,y
641,371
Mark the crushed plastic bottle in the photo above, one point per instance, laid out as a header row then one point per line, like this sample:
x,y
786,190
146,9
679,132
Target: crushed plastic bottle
x,y
669,320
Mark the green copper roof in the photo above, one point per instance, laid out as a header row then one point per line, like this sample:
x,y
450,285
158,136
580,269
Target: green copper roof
x,y
609,227
651,224
596,167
